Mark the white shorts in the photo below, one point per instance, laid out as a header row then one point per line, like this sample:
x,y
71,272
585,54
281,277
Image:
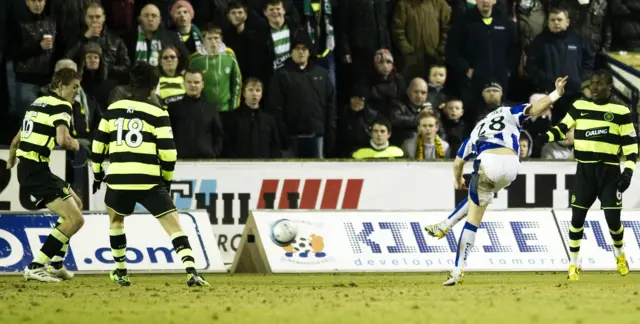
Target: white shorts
x,y
493,172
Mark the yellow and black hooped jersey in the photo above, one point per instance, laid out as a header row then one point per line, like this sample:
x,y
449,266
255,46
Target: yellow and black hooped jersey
x,y
601,132
38,132
137,138
171,89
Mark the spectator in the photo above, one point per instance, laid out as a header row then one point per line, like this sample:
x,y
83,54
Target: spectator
x,y
526,145
146,42
209,11
183,14
405,113
592,21
530,18
356,123
559,52
626,24
420,32
197,129
482,47
258,14
363,31
164,10
492,98
460,7
426,144
171,86
384,84
235,35
271,44
33,53
221,72
318,19
453,128
251,133
379,147
115,56
437,80
119,15
560,150
302,99
95,80
70,18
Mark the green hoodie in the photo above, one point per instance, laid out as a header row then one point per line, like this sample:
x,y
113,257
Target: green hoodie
x,y
222,79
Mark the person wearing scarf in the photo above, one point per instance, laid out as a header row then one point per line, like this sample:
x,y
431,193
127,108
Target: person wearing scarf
x,y
427,145
149,38
183,14
317,14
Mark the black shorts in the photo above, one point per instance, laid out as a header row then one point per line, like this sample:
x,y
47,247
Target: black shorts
x,y
596,180
37,180
156,200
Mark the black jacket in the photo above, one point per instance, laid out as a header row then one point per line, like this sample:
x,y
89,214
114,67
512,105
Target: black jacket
x,y
303,102
492,51
260,43
454,133
167,37
364,28
355,130
197,128
114,53
250,134
592,22
553,55
626,23
32,64
404,119
382,92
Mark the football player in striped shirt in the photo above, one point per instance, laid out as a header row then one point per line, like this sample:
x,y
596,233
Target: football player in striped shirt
x,y
137,138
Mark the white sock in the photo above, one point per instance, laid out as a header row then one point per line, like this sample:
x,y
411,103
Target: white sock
x,y
467,239
573,257
458,214
618,251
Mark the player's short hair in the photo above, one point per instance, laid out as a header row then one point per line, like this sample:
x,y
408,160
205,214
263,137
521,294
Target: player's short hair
x,y
603,74
194,71
144,77
64,76
235,5
65,63
211,28
273,3
382,121
94,4
429,114
559,10
249,81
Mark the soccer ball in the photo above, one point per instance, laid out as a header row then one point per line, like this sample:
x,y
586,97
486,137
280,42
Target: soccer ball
x,y
283,232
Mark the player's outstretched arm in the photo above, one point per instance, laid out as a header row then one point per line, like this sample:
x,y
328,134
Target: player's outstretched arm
x,y
541,106
12,150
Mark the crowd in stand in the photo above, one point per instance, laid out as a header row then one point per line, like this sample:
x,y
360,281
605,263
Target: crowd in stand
x,y
356,79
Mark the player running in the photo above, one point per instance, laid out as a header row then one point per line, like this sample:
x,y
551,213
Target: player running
x,y
494,142
46,122
136,135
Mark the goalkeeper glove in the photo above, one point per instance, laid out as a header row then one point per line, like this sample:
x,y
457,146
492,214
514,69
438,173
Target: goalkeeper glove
x,y
97,181
625,180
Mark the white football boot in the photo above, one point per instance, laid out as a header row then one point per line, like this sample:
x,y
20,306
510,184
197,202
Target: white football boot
x,y
62,273
39,274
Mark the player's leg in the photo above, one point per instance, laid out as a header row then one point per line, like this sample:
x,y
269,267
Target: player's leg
x,y
119,203
582,197
60,235
57,268
158,202
441,229
611,202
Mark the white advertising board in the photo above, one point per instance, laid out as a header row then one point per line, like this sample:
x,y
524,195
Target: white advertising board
x,y
371,241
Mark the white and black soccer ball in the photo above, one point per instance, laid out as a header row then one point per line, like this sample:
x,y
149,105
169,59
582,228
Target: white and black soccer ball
x,y
283,232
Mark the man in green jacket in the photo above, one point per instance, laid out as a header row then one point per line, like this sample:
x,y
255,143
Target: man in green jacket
x,y
222,78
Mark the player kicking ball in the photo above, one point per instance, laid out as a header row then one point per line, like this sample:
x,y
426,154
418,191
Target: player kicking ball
x,y
494,142
137,138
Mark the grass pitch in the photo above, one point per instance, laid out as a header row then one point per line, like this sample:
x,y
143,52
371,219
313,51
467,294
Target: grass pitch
x,y
364,299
